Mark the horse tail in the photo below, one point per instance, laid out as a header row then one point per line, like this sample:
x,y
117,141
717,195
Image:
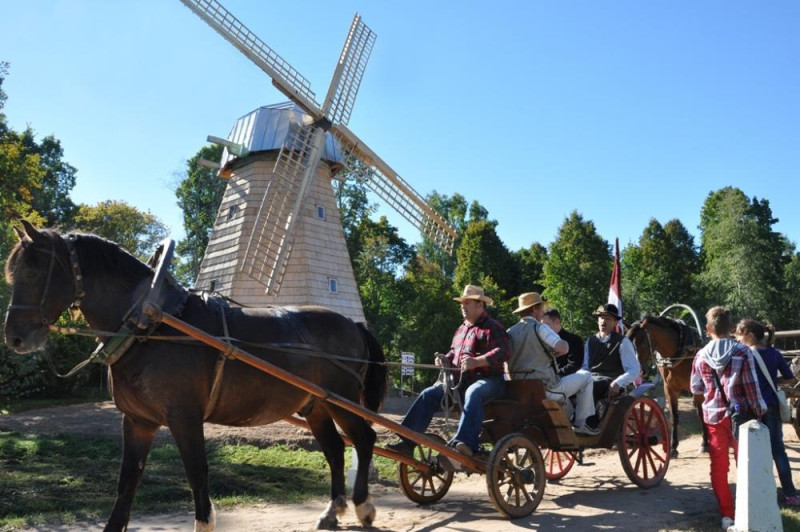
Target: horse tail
x,y
376,380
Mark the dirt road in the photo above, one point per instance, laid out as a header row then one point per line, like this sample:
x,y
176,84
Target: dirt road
x,y
594,496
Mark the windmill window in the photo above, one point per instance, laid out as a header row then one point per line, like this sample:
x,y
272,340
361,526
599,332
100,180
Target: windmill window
x,y
333,285
232,210
212,286
320,212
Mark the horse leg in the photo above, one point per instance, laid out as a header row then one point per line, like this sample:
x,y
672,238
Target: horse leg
x,y
673,409
698,407
324,431
363,438
187,429
673,406
137,437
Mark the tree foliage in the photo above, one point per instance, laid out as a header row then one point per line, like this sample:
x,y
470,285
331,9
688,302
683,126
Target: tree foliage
x,y
743,257
531,263
577,273
199,195
653,283
136,231
483,259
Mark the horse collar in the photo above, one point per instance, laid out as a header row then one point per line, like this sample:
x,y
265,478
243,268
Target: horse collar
x,y
80,293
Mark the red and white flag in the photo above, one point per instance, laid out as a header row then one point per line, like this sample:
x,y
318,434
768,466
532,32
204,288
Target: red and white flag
x,y
615,290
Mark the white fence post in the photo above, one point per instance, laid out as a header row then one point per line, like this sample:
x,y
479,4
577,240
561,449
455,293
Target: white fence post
x,y
756,498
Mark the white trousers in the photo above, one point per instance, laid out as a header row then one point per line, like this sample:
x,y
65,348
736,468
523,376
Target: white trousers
x,y
581,385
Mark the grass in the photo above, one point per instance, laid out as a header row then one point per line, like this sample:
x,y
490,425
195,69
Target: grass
x,y
51,480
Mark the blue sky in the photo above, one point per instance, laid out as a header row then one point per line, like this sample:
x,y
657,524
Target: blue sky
x,y
623,110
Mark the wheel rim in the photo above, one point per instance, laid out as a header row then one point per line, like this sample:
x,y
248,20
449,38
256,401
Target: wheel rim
x,y
557,463
515,476
644,443
425,487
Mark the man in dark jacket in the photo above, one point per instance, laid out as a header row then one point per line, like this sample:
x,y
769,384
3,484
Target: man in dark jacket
x,y
573,360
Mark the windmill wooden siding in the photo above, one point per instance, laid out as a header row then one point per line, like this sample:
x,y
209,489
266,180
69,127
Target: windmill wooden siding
x,y
319,253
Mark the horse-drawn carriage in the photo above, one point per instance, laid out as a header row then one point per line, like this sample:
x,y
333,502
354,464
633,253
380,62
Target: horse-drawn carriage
x,y
524,423
308,360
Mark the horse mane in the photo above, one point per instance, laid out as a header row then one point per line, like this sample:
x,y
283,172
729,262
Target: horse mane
x,y
98,255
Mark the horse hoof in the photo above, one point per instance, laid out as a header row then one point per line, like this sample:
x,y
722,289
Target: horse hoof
x,y
327,522
200,526
674,453
366,513
327,519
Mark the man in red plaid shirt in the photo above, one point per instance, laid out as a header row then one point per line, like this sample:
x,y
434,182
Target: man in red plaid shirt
x,y
479,349
733,365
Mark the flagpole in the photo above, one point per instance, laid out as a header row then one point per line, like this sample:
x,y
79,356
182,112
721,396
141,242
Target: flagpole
x,y
615,288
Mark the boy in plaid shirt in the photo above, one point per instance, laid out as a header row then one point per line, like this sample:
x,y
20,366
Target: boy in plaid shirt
x,y
735,371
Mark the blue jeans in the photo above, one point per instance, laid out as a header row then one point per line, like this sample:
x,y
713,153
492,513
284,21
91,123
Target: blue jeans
x,y
772,419
429,402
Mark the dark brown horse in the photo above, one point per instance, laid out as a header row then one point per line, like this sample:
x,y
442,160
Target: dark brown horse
x,y
671,346
181,384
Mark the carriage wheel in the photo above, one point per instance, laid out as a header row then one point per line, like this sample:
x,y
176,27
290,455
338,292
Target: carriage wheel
x,y
425,487
515,476
644,443
557,463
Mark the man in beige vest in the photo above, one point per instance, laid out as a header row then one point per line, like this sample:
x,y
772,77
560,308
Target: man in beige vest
x,y
534,347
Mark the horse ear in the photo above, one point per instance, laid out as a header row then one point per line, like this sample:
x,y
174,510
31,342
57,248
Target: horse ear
x,y
644,323
20,233
30,230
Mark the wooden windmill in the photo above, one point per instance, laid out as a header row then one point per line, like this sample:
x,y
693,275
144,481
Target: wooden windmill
x,y
278,237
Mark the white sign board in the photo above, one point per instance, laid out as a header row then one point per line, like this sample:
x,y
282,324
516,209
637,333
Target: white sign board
x,y
407,363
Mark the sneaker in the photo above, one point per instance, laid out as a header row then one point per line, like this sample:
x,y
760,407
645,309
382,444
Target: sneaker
x,y
463,448
586,430
727,522
792,500
403,447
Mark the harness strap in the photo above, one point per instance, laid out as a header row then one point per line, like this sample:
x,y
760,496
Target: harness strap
x,y
219,370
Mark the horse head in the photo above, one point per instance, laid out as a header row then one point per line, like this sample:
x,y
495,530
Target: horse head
x,y
43,286
637,333
46,278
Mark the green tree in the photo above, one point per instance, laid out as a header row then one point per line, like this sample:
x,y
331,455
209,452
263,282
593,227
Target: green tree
x,y
199,195
483,256
743,257
427,317
577,273
354,208
790,317
383,254
136,231
52,200
659,270
530,263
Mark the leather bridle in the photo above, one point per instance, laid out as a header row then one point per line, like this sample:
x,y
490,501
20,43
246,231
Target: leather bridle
x,y
75,268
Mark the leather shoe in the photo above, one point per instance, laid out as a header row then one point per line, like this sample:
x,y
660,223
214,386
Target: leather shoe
x,y
586,430
463,448
402,447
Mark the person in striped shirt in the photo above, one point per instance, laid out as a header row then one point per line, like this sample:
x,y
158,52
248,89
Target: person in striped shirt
x,y
729,363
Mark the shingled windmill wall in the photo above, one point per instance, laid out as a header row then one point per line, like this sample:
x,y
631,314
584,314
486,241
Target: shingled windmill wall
x,y
319,254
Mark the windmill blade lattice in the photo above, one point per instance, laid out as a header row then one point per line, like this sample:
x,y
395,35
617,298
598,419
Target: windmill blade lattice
x,y
270,244
349,70
284,76
394,190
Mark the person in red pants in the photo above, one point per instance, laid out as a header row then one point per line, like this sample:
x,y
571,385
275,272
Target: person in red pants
x,y
724,374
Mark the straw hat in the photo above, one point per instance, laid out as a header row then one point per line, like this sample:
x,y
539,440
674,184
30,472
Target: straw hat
x,y
528,300
474,292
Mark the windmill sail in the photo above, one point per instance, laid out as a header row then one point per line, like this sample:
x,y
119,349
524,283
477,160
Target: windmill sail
x,y
276,205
